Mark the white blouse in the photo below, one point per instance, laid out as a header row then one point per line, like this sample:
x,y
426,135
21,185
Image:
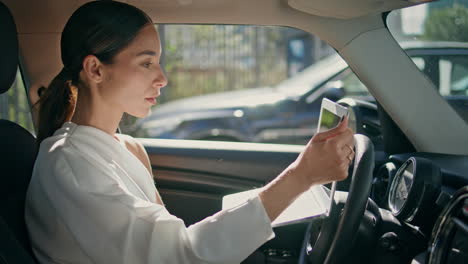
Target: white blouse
x,y
92,201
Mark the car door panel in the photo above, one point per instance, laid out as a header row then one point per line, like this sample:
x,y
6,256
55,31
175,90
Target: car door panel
x,y
193,176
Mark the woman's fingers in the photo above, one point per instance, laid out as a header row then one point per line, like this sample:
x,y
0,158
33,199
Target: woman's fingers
x,y
323,136
351,157
343,138
348,152
345,145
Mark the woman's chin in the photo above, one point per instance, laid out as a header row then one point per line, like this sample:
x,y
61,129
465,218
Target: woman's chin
x,y
140,114
143,114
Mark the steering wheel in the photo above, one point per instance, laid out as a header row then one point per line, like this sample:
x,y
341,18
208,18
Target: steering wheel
x,y
339,228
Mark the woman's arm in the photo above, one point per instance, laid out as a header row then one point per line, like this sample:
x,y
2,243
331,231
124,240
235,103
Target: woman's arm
x,y
325,159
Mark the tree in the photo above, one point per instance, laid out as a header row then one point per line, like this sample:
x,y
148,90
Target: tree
x,y
447,24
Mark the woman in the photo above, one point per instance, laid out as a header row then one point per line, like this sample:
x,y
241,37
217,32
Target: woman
x,y
92,198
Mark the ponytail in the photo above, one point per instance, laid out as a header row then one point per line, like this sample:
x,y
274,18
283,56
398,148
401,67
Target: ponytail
x,y
56,106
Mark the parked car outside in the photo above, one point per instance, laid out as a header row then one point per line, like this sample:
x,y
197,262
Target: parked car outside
x,y
288,112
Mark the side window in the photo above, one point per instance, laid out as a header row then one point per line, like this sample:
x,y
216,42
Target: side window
x,y
14,105
237,83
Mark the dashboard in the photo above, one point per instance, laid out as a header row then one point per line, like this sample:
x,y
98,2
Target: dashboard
x,y
417,211
419,201
428,194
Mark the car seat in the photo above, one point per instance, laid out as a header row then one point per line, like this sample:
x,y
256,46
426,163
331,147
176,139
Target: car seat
x,y
17,154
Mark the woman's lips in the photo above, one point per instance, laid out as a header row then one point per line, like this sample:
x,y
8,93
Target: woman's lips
x,y
151,100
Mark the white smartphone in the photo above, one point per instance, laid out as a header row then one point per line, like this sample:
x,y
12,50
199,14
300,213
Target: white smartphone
x,y
331,114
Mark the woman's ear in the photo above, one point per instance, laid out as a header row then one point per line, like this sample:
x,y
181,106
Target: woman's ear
x,y
93,69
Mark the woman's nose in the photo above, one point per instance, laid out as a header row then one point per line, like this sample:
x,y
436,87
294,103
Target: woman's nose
x,y
161,79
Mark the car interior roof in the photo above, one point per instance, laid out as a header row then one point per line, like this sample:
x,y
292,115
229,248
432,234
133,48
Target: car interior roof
x,y
40,24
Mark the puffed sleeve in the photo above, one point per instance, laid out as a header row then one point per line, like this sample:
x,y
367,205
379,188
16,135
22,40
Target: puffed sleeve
x,y
113,226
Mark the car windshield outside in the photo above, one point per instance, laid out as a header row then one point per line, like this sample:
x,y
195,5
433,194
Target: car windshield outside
x,y
445,25
265,84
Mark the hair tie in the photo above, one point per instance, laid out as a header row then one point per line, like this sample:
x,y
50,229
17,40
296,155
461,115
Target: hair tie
x,y
65,74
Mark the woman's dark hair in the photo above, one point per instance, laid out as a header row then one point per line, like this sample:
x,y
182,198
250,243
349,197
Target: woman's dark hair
x,y
99,28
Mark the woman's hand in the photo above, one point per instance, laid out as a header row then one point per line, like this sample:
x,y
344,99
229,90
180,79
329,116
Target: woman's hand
x,y
327,156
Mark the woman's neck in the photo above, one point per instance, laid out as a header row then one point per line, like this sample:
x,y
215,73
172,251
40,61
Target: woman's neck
x,y
96,114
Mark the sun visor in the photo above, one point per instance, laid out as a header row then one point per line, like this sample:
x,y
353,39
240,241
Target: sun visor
x,y
350,9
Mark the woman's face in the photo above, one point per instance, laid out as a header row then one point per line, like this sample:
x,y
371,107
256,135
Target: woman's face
x,y
135,78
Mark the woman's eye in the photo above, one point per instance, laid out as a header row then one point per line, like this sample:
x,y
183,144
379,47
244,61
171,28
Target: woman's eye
x,y
147,64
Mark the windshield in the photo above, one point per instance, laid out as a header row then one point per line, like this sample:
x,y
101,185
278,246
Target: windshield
x,y
435,35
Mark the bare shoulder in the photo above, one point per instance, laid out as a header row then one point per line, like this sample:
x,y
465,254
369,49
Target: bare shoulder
x,y
132,144
136,148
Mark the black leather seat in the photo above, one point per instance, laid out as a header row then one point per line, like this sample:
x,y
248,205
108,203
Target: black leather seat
x,y
17,155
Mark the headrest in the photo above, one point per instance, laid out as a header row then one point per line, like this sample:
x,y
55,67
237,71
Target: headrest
x,y
8,49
